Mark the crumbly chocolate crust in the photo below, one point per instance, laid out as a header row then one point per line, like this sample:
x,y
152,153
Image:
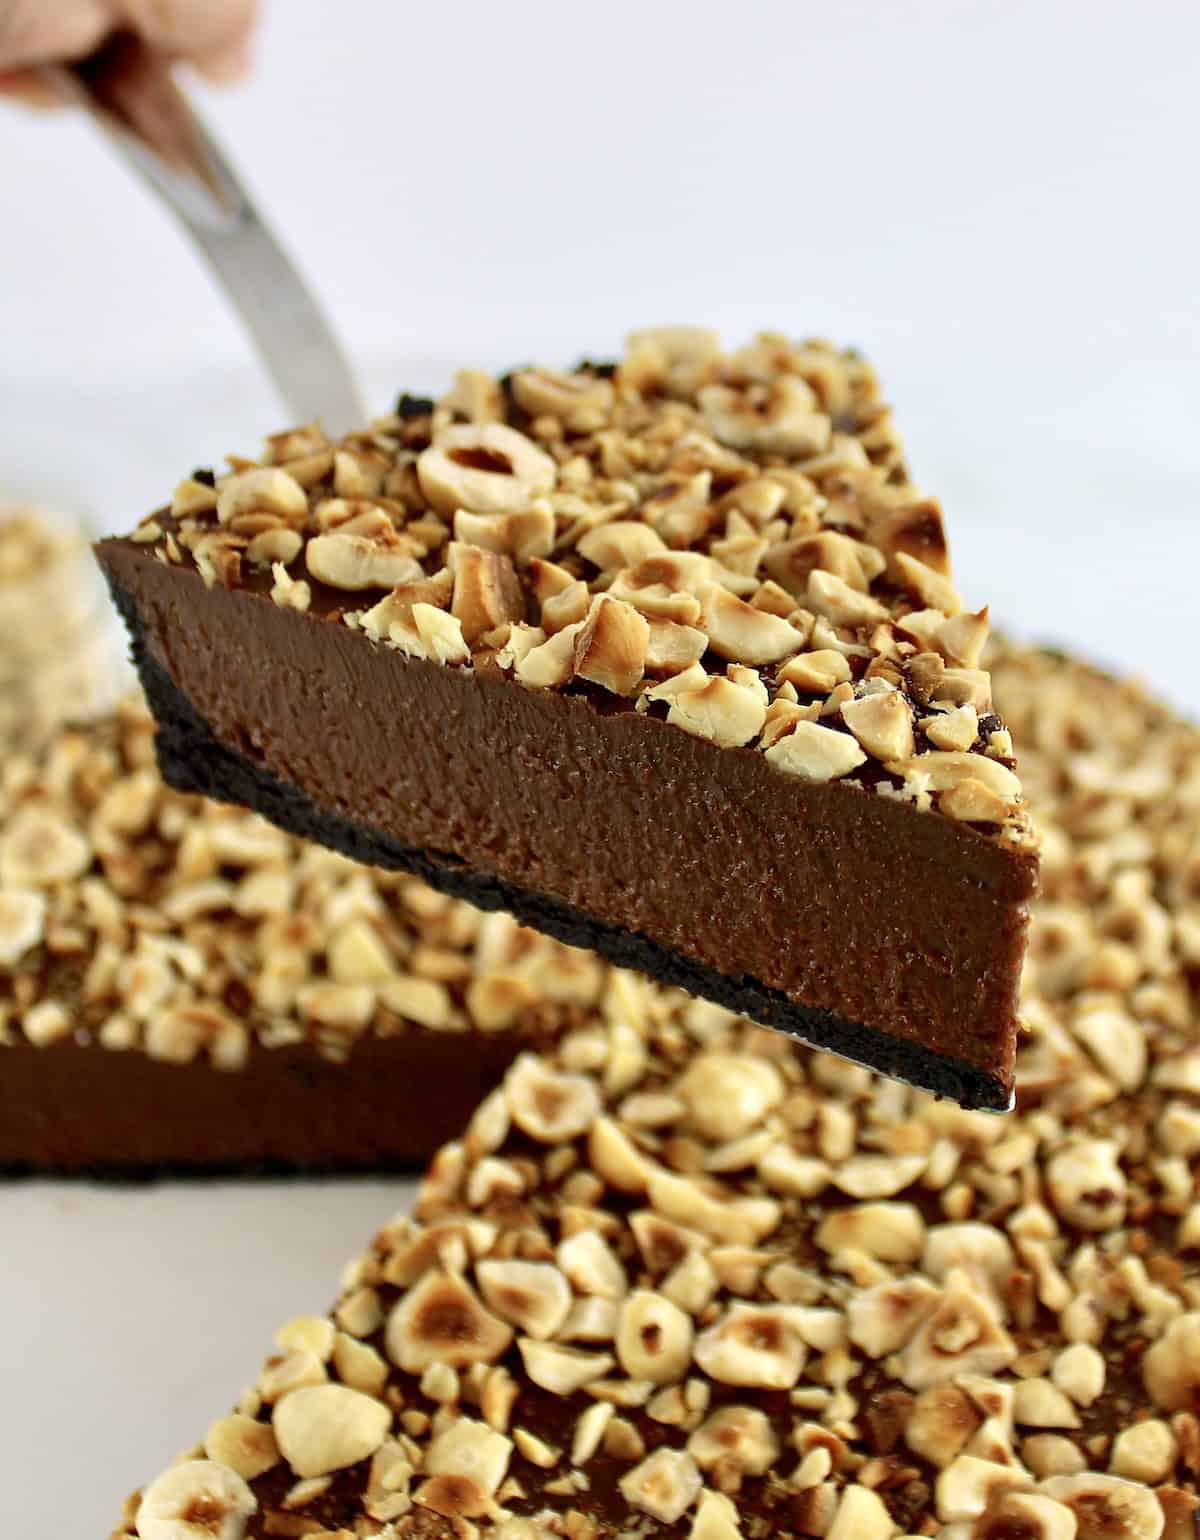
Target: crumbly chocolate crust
x,y
683,1278
193,759
730,541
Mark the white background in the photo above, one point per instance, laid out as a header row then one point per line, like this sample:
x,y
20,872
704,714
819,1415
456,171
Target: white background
x,y
997,200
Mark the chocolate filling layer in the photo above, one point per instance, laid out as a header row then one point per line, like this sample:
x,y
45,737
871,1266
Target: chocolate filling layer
x,y
867,928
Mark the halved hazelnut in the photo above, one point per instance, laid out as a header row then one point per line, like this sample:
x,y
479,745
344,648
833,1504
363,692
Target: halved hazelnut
x,y
665,1485
940,1423
534,1296
727,1094
881,1319
471,1449
37,849
738,631
549,1106
323,1428
654,1338
737,1436
484,468
266,488
816,753
243,1444
676,359
777,418
441,1319
1107,1508
610,649
354,562
718,710
882,723
1087,1185
550,393
962,1335
196,1500
486,591
890,1231
1171,1366
752,1345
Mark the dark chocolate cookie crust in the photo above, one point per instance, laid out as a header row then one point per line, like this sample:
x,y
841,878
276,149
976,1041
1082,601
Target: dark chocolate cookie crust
x,y
193,759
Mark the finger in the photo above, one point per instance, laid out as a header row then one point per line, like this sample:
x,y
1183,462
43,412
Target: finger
x,y
29,91
201,31
227,67
33,32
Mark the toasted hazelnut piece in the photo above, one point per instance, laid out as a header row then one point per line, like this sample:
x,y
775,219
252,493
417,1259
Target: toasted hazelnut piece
x,y
962,639
882,1319
472,1449
790,562
970,801
355,562
679,510
962,1335
243,1444
882,724
1171,1366
523,535
610,649
196,1500
592,1266
550,393
263,488
1147,1452
816,753
740,1436
942,771
615,1157
665,1485
287,592
323,1428
272,545
716,1518
954,730
817,672
1037,1403
676,359
619,544
861,1515
829,596
1107,1506
671,648
738,631
654,1338
720,711
753,1345
779,418
38,850
566,608
532,1295
548,1106
931,588
657,601
1087,1185
22,923
456,1498
549,664
968,1486
1080,1371
940,1423
978,1249
192,497
441,1319
484,468
892,1232
710,1209
486,590
1023,1513
548,578
562,1370
786,1170
727,1094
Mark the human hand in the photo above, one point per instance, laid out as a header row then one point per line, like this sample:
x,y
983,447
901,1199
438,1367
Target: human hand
x,y
211,35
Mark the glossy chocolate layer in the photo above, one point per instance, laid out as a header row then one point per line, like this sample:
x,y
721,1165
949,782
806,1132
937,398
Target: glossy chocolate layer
x,y
850,919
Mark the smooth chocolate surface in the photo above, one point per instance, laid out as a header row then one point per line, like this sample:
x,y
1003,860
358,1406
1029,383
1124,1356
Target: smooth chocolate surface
x,y
850,919
83,1110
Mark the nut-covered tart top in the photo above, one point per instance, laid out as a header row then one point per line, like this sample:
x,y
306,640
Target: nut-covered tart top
x,y
728,540
683,1278
134,917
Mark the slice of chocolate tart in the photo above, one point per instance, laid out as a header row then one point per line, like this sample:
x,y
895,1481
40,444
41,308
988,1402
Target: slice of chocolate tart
x,y
664,658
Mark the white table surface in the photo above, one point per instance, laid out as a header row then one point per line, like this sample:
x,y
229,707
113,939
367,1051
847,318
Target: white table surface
x,y
995,200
